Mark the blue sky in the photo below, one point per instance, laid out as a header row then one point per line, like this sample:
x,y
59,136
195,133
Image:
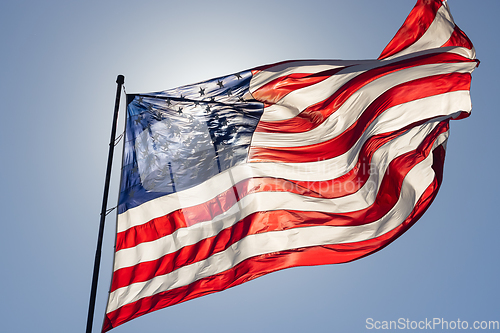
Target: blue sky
x,y
57,89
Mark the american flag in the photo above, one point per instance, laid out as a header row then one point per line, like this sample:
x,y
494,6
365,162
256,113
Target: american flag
x,y
297,163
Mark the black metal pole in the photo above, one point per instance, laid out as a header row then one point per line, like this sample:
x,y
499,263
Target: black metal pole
x,y
97,261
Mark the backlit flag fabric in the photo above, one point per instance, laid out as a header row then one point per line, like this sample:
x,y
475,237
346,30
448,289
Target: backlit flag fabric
x,y
292,164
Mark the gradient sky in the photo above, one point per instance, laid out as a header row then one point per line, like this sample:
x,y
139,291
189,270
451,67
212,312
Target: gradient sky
x,y
57,89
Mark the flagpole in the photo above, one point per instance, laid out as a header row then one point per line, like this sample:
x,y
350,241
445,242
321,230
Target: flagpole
x,y
97,261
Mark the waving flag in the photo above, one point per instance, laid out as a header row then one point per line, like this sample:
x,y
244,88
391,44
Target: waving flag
x,y
291,164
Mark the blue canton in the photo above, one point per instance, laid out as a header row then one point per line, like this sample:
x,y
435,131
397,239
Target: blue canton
x,y
179,138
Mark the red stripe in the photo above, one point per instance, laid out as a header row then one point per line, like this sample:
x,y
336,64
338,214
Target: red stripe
x,y
416,24
459,38
278,88
261,222
462,115
264,264
315,114
344,185
403,93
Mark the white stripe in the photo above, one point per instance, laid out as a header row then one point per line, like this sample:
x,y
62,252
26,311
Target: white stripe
x,y
421,176
462,51
438,33
313,171
269,201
